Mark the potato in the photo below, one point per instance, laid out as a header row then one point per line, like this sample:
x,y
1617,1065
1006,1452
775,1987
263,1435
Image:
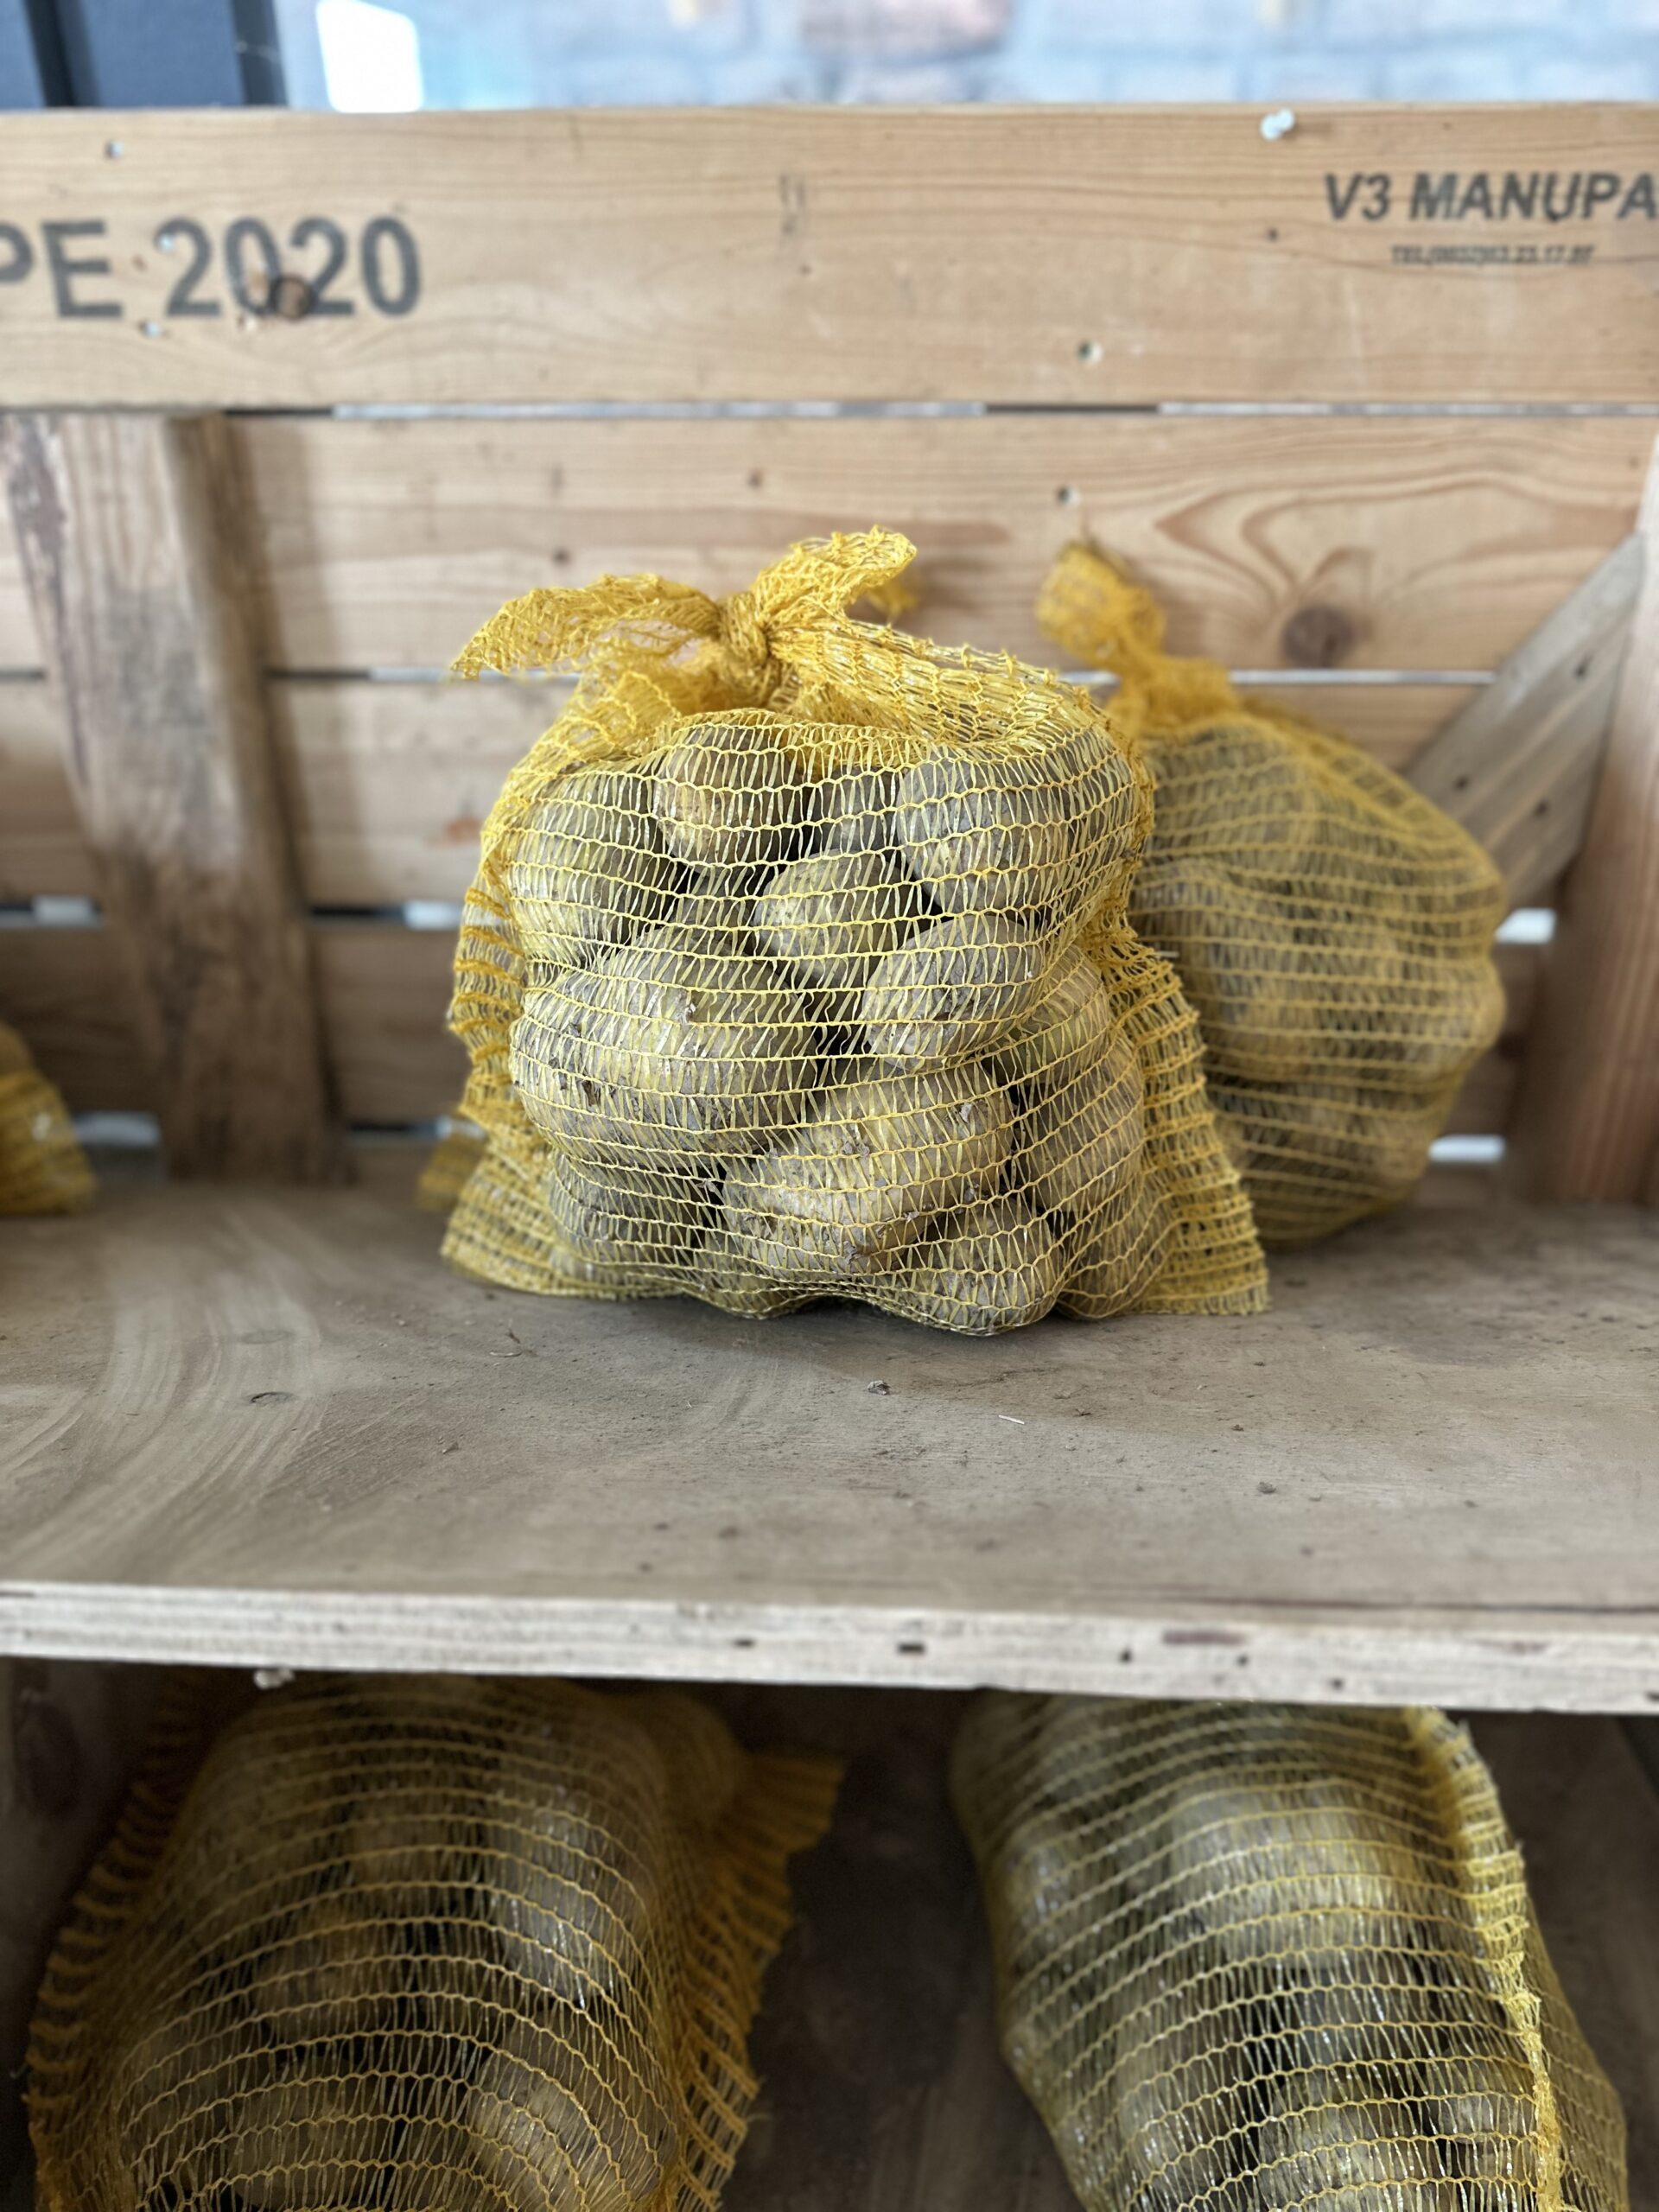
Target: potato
x,y
985,835
1241,964
732,795
1343,2137
308,2138
1117,1248
661,1045
333,1973
551,2133
703,1761
1483,2108
1054,1041
828,919
1081,1138
992,1267
1273,812
1102,807
573,1911
589,869
1305,1867
1382,1010
863,1176
1178,2099
652,1215
952,988
854,811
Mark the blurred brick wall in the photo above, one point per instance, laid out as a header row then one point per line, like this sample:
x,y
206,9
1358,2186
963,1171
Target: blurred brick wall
x,y
634,51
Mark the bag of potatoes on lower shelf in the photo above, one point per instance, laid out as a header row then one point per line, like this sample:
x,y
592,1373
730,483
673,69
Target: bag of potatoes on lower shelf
x,y
1332,927
1253,1957
43,1167
422,1945
798,963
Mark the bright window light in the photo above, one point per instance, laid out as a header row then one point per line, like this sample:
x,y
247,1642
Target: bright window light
x,y
371,58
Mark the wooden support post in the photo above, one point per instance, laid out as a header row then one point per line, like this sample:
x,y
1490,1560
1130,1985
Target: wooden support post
x,y
1588,1120
134,542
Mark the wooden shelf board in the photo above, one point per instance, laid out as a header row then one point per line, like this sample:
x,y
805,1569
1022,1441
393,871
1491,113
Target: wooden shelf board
x,y
269,1427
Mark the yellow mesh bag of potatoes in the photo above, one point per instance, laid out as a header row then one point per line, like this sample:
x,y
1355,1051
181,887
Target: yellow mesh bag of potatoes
x,y
798,963
422,1945
1276,1959
43,1167
1332,927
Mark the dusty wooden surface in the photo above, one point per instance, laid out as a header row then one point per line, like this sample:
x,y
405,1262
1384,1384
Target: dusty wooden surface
x,y
389,781
1074,255
261,1428
135,537
1519,764
1587,1122
882,2086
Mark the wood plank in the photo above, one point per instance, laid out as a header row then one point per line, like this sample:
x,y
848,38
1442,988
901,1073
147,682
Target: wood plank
x,y
1427,1474
134,538
1588,1120
1588,1821
1437,542
1518,765
383,991
1080,256
387,783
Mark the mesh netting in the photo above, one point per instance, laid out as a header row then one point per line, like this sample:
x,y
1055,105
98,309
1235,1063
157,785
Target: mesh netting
x,y
798,963
418,1943
1271,1956
1332,927
43,1167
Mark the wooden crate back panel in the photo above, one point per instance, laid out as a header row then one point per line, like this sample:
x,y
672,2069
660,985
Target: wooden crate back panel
x,y
383,991
1074,256
1436,543
389,782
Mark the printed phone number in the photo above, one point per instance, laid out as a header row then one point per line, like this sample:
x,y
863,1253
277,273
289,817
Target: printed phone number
x,y
320,269
1483,256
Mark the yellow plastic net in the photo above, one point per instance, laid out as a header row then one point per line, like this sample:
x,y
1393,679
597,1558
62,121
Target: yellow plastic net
x,y
1332,927
798,963
43,1167
424,1946
1255,1957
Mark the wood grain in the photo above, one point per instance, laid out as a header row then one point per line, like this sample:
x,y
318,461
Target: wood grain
x,y
1440,542
1588,1120
383,991
134,538
388,783
1518,765
226,1423
1083,256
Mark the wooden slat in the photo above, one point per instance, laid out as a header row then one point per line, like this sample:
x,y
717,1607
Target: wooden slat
x,y
1518,765
135,537
1082,255
1440,542
388,783
384,992
1418,1478
1588,1120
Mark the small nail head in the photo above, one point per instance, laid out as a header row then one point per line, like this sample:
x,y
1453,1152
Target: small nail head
x,y
113,149
1278,125
149,329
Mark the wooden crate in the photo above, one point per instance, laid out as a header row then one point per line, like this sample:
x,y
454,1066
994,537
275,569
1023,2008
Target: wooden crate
x,y
1370,407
